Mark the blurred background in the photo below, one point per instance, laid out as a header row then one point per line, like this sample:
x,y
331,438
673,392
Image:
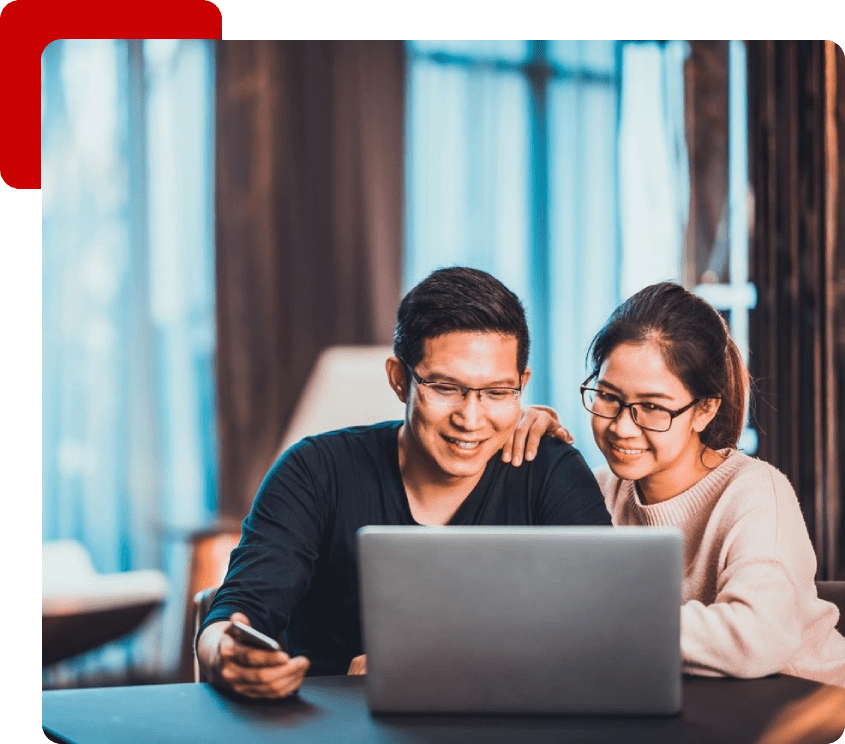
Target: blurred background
x,y
217,214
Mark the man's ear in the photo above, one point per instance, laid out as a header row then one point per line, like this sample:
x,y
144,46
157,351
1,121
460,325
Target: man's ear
x,y
705,412
526,375
397,378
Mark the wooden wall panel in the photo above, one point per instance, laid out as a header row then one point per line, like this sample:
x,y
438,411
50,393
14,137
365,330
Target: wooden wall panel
x,y
797,352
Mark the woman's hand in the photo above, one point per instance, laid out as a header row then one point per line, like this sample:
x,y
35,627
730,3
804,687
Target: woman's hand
x,y
535,422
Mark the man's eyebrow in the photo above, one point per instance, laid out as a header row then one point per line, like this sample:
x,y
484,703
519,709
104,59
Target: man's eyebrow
x,y
444,377
638,396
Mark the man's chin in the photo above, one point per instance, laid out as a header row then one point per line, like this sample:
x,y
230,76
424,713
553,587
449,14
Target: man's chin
x,y
464,465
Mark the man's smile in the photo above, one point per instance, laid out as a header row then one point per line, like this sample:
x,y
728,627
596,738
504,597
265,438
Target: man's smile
x,y
465,444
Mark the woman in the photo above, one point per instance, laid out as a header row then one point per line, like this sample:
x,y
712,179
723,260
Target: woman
x,y
668,394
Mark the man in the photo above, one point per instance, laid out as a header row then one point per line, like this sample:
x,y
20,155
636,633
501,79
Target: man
x,y
460,366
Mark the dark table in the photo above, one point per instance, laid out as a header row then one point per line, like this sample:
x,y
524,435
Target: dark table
x,y
334,709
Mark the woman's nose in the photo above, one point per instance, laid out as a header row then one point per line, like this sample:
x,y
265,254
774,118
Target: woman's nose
x,y
624,424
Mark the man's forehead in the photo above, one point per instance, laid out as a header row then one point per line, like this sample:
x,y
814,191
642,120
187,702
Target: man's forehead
x,y
477,338
471,352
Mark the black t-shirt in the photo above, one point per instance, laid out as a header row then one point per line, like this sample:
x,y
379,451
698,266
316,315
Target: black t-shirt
x,y
295,569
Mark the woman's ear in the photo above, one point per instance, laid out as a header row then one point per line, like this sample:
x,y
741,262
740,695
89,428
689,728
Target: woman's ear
x,y
397,378
705,412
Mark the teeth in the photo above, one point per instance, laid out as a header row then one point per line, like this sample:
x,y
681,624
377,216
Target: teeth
x,y
629,452
462,444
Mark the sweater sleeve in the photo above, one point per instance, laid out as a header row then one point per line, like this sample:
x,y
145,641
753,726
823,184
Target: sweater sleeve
x,y
754,627
751,630
271,568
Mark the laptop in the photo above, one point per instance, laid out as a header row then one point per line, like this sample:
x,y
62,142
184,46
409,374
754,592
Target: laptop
x,y
557,620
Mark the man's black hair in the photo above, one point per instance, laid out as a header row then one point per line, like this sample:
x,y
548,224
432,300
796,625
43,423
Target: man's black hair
x,y
458,299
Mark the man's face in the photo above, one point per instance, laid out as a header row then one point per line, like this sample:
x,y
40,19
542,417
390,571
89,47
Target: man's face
x,y
456,441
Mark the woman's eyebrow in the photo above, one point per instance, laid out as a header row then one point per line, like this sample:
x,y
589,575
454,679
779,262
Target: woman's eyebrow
x,y
638,396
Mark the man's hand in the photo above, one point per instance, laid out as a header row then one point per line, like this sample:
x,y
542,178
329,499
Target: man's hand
x,y
535,422
358,665
252,672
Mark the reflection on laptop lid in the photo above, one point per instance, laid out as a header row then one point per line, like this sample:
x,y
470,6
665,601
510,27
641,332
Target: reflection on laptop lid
x,y
521,619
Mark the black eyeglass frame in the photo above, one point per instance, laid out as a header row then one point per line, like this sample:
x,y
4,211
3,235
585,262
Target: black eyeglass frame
x,y
630,406
517,391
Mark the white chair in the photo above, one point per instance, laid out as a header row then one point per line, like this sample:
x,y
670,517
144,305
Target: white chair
x,y
347,387
82,609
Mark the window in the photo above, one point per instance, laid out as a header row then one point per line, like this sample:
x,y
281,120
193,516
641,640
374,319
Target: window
x,y
128,445
561,168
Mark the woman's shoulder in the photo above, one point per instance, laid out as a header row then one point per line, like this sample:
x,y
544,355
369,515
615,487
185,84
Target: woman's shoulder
x,y
609,484
745,470
760,508
753,485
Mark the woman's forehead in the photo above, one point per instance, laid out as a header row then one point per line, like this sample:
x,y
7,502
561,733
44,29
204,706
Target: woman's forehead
x,y
639,370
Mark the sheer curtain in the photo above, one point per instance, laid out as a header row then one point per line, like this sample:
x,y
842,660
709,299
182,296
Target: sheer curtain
x,y
128,414
653,164
523,158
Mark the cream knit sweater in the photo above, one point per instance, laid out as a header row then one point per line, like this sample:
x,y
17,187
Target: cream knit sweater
x,y
750,606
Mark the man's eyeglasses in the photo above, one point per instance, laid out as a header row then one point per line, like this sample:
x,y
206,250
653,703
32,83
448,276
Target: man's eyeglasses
x,y
645,415
447,395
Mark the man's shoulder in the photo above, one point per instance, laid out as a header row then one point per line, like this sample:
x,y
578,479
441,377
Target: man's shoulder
x,y
551,452
360,435
554,460
317,451
334,457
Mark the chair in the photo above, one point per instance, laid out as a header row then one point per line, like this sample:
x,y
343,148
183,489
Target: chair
x,y
210,549
202,603
326,402
834,591
82,609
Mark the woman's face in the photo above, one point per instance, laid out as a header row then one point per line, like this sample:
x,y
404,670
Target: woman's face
x,y
666,463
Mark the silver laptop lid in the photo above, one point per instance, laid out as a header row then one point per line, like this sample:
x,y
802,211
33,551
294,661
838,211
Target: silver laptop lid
x,y
521,619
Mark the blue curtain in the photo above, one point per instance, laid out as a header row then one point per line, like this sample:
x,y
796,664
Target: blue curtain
x,y
128,416
558,166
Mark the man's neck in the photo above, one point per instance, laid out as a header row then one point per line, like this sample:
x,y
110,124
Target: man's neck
x,y
433,496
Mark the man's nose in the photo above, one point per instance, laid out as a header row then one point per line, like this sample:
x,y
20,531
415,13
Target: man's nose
x,y
470,412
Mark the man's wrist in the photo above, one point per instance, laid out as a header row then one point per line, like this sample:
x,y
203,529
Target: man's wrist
x,y
208,649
